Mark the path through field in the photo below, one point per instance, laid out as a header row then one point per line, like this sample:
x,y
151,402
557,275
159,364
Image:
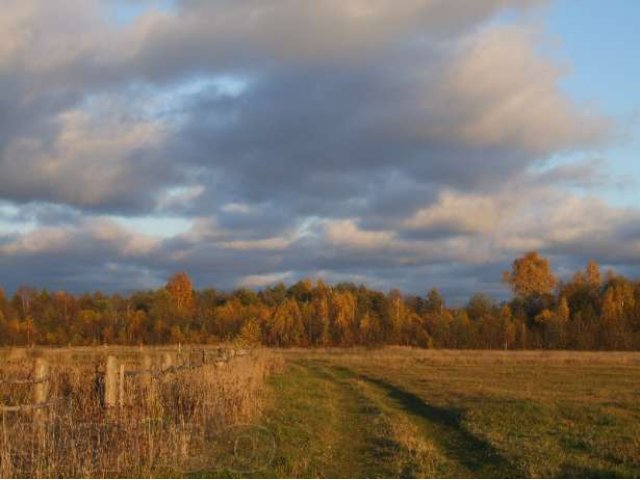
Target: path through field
x,y
400,412
331,422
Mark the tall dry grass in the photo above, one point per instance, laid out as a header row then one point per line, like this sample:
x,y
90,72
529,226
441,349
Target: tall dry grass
x,y
169,424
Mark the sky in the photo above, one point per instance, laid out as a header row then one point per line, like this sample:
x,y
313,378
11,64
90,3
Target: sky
x,y
401,144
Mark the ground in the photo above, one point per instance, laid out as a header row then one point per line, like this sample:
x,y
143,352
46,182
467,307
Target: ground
x,y
414,413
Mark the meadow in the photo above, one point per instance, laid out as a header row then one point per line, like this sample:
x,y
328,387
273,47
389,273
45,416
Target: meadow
x,y
403,412
357,412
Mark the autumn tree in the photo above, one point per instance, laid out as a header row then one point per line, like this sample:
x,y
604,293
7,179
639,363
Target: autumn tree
x,y
343,308
286,328
320,302
181,292
400,322
592,274
369,329
530,276
590,311
434,302
618,307
229,318
532,283
250,333
480,306
507,328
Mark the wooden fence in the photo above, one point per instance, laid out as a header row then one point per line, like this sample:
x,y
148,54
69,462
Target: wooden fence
x,y
111,380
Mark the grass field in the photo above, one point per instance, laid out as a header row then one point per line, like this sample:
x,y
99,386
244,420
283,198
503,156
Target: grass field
x,y
406,413
392,412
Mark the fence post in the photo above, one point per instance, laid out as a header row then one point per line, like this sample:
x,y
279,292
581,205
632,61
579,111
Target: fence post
x,y
40,396
146,369
167,361
121,386
40,375
40,392
146,378
111,382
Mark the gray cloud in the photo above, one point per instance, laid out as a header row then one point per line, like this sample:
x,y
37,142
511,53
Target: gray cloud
x,y
393,143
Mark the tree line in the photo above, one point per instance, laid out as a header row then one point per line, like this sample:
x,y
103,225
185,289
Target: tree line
x,y
590,311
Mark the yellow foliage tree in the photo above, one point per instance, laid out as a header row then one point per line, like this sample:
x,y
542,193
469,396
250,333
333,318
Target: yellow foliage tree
x,y
181,292
593,276
530,276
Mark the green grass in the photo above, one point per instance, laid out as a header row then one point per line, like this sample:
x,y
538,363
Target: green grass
x,y
325,427
411,413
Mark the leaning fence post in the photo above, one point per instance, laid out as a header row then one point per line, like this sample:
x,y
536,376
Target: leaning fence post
x,y
111,382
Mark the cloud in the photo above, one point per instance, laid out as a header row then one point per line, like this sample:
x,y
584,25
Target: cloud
x,y
345,233
52,240
260,281
397,143
101,156
457,213
498,91
236,208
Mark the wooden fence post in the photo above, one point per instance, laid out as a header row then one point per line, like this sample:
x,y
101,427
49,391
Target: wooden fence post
x,y
167,361
146,369
148,387
40,393
41,378
111,382
40,396
121,386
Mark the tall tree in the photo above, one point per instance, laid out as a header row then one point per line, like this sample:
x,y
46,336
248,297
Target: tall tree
x,y
592,274
530,276
181,291
434,302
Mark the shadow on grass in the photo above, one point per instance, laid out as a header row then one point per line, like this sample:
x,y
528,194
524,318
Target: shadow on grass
x,y
578,471
462,446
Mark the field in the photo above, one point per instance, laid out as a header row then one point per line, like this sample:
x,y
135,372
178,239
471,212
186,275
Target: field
x,y
405,413
392,412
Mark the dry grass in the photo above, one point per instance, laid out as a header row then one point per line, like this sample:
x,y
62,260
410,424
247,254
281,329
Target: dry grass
x,y
418,456
168,425
473,357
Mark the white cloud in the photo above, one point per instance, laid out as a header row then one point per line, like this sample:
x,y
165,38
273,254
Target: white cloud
x,y
346,233
497,90
458,213
80,238
273,243
237,208
259,281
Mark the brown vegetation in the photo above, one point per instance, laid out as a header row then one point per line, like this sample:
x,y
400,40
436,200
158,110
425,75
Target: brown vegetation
x,y
167,425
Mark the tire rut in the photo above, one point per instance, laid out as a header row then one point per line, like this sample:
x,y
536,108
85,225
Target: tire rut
x,y
466,454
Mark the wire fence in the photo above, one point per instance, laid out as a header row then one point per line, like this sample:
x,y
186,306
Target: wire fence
x,y
111,380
